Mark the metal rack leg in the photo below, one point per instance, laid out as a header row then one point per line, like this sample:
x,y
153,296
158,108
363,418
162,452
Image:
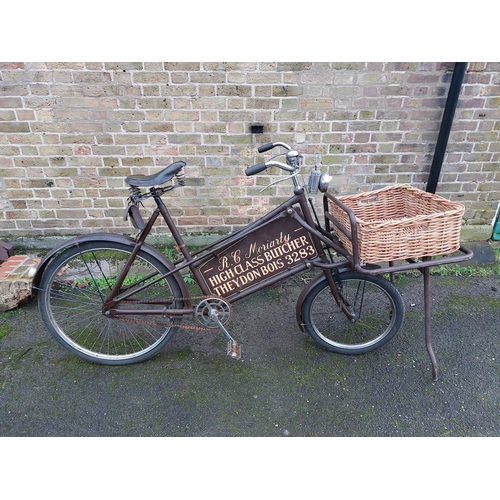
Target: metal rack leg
x,y
427,306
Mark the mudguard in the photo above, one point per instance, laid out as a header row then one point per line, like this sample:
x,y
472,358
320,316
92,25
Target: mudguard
x,y
302,296
116,238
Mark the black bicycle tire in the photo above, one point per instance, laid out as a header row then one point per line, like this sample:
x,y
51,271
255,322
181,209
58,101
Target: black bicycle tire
x,y
382,284
58,263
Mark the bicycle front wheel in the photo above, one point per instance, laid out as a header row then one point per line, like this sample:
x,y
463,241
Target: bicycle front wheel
x,y
75,286
377,307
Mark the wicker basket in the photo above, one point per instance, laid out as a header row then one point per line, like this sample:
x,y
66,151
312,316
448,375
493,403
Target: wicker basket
x,y
400,222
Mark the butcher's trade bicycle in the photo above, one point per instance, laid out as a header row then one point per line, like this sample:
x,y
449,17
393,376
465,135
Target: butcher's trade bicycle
x,y
115,300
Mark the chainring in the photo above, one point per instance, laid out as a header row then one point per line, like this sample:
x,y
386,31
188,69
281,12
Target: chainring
x,y
211,306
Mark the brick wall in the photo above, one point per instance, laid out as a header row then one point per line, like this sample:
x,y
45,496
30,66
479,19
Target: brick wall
x,y
71,132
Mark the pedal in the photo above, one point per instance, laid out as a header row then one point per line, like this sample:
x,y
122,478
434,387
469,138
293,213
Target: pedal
x,y
234,349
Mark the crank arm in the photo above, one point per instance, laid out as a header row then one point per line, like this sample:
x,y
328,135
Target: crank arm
x,y
233,348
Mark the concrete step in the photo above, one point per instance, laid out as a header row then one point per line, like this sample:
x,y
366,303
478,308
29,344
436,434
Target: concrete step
x,y
484,254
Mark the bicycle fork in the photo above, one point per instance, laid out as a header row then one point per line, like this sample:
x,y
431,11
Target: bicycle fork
x,y
339,298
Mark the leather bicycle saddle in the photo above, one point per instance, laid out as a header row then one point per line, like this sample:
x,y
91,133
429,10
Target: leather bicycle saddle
x,y
155,179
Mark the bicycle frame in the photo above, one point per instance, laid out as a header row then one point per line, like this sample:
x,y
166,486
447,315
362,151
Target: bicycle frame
x,y
284,242
310,243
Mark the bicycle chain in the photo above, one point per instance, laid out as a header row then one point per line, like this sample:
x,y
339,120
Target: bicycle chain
x,y
180,325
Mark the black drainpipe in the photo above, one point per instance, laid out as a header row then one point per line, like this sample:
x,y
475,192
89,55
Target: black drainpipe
x,y
446,123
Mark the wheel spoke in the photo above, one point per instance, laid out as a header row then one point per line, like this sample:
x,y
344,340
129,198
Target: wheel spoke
x,y
377,307
77,283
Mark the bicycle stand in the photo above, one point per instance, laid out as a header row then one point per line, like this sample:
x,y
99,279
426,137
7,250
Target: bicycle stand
x,y
424,267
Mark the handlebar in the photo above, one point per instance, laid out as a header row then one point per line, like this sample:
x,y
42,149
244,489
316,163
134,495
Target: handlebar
x,y
271,145
317,180
265,147
255,169
291,159
259,167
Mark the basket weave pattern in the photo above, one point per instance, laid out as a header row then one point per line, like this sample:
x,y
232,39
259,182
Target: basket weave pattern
x,y
400,222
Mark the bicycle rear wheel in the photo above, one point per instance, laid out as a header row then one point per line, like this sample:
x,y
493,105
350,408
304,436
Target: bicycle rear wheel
x,y
377,307
72,293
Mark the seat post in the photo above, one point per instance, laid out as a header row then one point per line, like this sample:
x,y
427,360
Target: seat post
x,y
181,246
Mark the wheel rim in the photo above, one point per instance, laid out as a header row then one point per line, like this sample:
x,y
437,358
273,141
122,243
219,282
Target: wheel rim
x,y
375,315
75,296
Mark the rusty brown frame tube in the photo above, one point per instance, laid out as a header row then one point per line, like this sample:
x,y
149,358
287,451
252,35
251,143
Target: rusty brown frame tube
x,y
193,262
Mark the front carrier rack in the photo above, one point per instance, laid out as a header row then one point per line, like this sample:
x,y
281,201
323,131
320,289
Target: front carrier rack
x,y
394,229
